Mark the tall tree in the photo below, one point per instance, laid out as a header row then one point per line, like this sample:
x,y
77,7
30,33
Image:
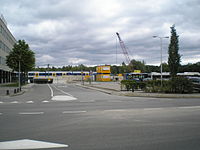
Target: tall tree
x,y
165,67
174,56
21,52
125,68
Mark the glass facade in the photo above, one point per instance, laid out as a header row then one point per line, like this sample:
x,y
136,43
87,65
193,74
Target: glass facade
x,y
7,41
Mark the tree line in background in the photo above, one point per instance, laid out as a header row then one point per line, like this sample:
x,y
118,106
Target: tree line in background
x,y
195,67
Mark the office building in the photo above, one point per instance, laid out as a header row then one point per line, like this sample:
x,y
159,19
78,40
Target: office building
x,y
7,41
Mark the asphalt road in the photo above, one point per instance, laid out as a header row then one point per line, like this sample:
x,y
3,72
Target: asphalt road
x,y
86,119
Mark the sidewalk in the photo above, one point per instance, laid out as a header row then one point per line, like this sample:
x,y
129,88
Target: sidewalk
x,y
115,89
3,90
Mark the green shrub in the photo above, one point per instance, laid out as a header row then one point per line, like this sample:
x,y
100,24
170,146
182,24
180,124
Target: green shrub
x,y
181,85
174,85
132,84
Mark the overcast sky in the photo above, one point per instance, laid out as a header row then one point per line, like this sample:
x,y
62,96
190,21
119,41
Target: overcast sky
x,y
70,32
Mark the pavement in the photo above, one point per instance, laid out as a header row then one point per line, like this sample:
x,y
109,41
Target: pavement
x,y
96,121
4,89
114,88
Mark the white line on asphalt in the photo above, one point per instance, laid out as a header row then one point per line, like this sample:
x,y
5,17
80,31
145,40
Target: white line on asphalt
x,y
1,102
29,102
73,112
51,90
1,113
62,86
14,102
66,97
31,113
188,107
153,109
63,98
63,91
45,101
29,144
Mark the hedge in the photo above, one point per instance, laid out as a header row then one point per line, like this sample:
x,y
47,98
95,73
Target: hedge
x,y
132,85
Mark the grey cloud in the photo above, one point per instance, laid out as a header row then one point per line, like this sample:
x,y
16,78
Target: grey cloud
x,y
84,30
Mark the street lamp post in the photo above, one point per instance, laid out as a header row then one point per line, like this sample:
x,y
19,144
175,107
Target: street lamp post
x,y
19,84
161,69
19,76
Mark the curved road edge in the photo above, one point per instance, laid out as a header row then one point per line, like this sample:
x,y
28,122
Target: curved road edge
x,y
138,93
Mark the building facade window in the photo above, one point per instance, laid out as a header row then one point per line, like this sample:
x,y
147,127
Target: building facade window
x,y
7,41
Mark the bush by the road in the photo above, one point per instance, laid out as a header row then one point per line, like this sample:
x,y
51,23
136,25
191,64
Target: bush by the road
x,y
132,85
174,85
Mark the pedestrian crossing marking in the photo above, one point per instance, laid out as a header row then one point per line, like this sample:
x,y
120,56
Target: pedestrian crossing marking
x,y
29,144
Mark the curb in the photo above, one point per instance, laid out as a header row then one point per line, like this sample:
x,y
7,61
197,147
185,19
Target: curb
x,y
158,95
23,90
20,93
95,88
135,94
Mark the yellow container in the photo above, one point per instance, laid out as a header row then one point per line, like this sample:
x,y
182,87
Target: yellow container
x,y
103,69
103,73
103,77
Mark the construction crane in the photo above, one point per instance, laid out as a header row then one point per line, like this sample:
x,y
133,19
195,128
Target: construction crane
x,y
124,49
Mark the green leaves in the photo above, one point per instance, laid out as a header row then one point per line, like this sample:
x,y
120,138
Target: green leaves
x,y
22,53
174,56
174,85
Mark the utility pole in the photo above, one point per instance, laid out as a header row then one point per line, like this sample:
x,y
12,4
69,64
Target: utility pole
x,y
48,69
82,75
116,51
161,38
19,76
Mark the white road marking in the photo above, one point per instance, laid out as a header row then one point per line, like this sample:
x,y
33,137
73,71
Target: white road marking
x,y
116,110
63,91
45,101
153,109
62,86
1,102
188,107
73,112
63,98
50,90
28,144
1,113
31,113
29,102
14,102
67,97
